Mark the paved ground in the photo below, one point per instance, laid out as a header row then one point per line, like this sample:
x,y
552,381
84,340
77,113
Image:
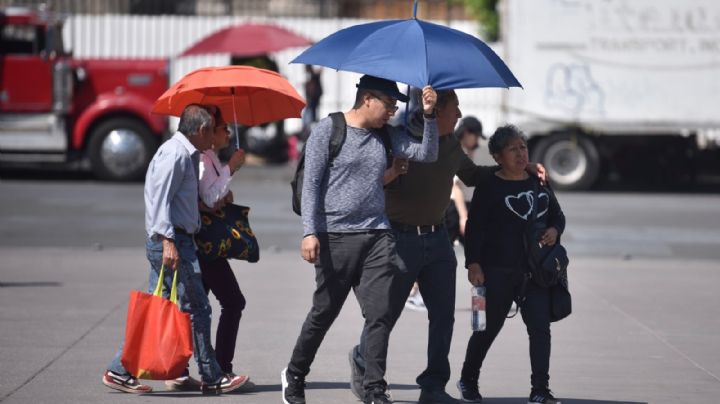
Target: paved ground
x,y
644,278
642,331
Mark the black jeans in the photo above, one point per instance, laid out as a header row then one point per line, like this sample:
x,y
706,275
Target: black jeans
x,y
501,287
218,278
366,262
430,260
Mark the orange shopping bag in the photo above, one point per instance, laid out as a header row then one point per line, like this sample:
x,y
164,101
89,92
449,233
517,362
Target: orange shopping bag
x,y
158,339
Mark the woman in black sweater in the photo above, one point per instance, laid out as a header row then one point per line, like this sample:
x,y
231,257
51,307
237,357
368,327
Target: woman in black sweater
x,y
495,257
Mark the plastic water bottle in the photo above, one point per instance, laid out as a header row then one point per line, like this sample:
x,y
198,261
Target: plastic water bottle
x,y
477,319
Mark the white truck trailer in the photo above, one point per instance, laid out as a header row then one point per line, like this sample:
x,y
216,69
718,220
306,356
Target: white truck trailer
x,y
630,87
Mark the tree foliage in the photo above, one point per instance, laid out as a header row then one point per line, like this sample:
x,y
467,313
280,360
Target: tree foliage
x,y
485,11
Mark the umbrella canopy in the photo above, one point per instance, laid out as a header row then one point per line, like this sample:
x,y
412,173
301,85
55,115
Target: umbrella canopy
x,y
414,52
247,40
244,94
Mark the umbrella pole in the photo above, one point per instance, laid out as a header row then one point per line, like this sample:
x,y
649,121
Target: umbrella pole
x,y
407,109
235,121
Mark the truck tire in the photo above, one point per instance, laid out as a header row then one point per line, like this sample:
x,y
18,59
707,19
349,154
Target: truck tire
x,y
572,161
120,149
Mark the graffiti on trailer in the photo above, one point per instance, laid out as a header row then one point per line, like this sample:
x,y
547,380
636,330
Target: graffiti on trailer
x,y
572,89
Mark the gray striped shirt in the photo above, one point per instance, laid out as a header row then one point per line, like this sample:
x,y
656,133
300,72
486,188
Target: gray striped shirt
x,y
348,196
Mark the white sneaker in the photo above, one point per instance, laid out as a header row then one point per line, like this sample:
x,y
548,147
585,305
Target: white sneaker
x,y
415,302
185,383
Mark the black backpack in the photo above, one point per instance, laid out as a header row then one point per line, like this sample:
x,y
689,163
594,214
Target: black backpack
x,y
337,138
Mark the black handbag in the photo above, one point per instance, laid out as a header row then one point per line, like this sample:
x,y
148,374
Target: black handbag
x,y
560,301
548,263
548,266
226,233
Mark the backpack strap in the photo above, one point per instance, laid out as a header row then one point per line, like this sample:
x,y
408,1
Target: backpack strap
x,y
339,133
387,142
337,137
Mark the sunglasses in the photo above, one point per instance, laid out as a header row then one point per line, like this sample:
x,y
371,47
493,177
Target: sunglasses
x,y
389,106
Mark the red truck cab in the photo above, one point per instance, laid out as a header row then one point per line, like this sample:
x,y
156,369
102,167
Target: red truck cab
x,y
58,109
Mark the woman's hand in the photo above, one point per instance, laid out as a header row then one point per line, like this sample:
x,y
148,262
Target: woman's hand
x,y
204,208
236,160
549,237
476,276
219,204
399,167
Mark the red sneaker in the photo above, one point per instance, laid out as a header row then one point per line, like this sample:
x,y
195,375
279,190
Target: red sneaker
x,y
227,384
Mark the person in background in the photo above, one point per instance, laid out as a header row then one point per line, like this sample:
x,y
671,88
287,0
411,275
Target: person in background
x,y
217,275
468,133
495,256
171,219
313,92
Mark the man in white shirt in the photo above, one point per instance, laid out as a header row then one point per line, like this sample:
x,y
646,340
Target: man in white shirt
x,y
171,219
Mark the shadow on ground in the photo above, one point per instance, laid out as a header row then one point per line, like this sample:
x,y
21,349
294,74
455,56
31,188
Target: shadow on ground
x,y
519,400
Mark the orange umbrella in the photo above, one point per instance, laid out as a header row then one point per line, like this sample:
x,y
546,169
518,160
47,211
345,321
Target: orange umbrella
x,y
244,94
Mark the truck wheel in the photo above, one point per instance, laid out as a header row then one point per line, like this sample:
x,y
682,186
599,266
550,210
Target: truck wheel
x,y
120,149
572,161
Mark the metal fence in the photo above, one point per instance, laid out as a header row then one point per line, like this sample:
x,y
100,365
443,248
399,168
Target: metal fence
x,y
445,10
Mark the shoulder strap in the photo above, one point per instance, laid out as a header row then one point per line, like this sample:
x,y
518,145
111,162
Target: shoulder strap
x,y
337,137
387,142
533,214
212,162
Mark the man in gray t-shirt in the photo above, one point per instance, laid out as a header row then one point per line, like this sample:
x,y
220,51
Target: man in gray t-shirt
x,y
346,232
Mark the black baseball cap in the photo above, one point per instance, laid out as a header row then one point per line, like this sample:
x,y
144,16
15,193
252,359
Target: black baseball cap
x,y
384,86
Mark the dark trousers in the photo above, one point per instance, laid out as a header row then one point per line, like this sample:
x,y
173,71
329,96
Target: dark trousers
x,y
501,287
218,278
430,260
366,262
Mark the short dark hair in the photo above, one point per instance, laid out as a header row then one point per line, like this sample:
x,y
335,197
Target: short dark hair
x,y
502,136
469,124
193,119
443,97
359,97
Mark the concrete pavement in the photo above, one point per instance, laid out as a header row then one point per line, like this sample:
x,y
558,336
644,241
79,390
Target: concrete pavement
x,y
642,331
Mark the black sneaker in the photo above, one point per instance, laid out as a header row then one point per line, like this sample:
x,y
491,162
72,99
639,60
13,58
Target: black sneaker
x,y
356,376
438,396
293,388
544,396
377,396
469,392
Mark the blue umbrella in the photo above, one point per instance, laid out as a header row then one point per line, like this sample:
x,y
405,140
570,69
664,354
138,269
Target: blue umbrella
x,y
413,52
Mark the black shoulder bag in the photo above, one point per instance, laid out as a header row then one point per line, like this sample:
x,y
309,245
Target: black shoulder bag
x,y
547,264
